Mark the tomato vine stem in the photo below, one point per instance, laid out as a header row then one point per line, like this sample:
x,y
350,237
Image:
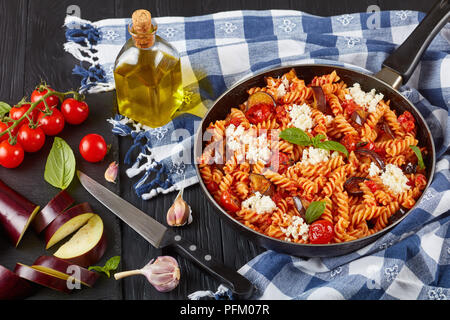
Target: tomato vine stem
x,y
61,96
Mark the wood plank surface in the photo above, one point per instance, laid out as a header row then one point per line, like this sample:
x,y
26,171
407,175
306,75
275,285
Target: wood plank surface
x,y
31,50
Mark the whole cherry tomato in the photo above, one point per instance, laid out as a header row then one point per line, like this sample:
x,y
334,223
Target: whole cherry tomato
x,y
11,155
31,139
349,141
93,147
74,111
259,113
52,123
52,101
229,202
3,127
321,232
17,112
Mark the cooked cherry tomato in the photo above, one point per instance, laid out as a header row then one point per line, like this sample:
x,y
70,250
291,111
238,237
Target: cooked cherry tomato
x,y
350,106
407,121
17,112
53,123
258,113
93,147
280,162
31,139
321,232
349,141
74,111
372,185
11,155
281,113
212,186
52,101
406,116
236,122
3,127
366,145
229,202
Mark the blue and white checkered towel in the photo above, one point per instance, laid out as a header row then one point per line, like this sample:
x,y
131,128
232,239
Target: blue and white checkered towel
x,y
410,262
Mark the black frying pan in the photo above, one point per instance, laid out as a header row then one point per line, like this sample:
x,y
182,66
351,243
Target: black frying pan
x,y
397,69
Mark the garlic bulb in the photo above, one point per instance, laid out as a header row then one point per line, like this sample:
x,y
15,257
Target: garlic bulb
x,y
179,213
163,273
111,172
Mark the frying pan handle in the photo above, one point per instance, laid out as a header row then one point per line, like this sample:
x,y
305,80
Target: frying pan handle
x,y
404,60
241,287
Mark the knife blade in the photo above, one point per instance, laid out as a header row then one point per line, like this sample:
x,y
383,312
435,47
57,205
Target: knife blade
x,y
150,229
160,236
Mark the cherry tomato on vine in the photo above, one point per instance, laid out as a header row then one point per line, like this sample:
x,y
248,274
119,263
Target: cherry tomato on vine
x,y
93,147
3,127
17,112
321,232
31,139
229,202
53,123
74,111
11,155
52,101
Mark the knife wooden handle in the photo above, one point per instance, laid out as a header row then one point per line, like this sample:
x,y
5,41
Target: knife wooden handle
x,y
241,287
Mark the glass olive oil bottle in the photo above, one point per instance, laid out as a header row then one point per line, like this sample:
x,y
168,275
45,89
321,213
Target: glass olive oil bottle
x,y
147,75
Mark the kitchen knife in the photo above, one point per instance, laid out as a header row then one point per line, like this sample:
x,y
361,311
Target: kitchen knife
x,y
159,236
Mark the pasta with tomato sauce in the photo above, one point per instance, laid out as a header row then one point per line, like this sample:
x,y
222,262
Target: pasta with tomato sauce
x,y
319,162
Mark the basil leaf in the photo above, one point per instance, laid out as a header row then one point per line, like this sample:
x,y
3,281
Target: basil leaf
x,y
110,265
418,153
314,211
100,269
316,139
332,145
296,136
60,165
4,108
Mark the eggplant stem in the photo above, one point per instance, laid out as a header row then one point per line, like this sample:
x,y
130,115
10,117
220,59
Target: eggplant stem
x,y
124,274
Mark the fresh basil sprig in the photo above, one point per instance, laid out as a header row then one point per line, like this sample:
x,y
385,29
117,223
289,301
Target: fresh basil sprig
x,y
4,108
314,211
110,265
418,153
299,137
60,165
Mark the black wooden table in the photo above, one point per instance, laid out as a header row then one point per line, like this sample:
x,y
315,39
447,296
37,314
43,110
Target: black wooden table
x,y
31,50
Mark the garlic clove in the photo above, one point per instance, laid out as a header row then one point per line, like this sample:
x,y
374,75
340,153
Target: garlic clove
x,y
111,172
179,213
163,273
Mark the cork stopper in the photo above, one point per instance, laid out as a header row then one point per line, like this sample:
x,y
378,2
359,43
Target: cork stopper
x,y
142,30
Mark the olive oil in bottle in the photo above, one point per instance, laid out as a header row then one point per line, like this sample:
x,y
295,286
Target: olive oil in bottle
x,y
147,74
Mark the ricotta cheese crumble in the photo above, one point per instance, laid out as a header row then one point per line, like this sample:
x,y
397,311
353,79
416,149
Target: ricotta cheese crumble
x,y
259,203
369,100
297,228
301,116
313,155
